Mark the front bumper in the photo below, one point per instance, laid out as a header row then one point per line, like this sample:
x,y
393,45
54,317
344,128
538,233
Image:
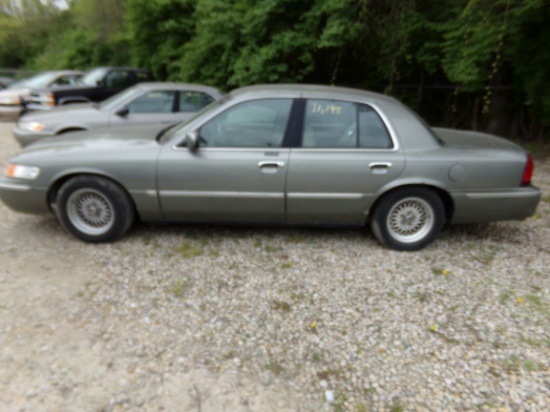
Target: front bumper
x,y
23,197
10,112
480,207
25,137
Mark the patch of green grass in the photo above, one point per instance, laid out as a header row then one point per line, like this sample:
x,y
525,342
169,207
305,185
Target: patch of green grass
x,y
534,300
422,296
275,367
188,250
530,365
361,407
286,265
179,287
281,305
504,298
317,357
327,374
512,363
339,402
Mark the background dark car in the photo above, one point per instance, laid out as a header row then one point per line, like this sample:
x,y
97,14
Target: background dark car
x,y
95,86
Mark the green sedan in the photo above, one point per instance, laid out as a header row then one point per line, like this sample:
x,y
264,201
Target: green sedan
x,y
279,154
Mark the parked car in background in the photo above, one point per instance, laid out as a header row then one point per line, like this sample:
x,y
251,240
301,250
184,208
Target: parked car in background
x,y
144,103
96,85
289,155
12,98
5,82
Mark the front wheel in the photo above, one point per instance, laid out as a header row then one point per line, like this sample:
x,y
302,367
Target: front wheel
x,y
94,209
408,219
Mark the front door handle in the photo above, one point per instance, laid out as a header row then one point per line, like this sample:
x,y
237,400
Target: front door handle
x,y
381,165
271,163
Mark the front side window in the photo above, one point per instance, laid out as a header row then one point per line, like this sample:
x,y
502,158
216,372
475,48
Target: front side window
x,y
161,101
256,123
191,101
337,124
67,80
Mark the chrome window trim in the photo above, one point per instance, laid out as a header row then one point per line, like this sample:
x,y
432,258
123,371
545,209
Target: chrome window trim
x,y
393,135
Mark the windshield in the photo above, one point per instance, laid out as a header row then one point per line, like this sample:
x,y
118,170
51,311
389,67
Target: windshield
x,y
91,78
176,128
113,101
37,81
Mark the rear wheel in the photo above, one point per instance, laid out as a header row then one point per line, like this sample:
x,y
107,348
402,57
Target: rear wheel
x,y
94,209
408,219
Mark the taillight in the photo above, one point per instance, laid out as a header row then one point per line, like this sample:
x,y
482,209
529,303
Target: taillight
x,y
528,171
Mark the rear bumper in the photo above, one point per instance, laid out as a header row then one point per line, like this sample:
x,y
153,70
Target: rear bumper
x,y
22,197
479,207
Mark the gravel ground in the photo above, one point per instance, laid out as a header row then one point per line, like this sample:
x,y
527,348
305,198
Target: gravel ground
x,y
231,319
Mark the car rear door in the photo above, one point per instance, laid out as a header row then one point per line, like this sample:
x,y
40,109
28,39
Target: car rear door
x,y
238,172
347,153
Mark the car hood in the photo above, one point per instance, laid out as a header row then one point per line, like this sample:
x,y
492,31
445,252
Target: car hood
x,y
76,111
14,92
96,141
67,87
463,139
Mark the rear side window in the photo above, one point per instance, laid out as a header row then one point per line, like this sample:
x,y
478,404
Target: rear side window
x,y
118,79
338,124
143,77
191,101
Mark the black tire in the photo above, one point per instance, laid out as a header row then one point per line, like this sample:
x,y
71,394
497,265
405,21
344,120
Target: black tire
x,y
408,219
94,209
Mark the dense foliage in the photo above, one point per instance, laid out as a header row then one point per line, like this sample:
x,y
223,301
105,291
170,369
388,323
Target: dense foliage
x,y
479,64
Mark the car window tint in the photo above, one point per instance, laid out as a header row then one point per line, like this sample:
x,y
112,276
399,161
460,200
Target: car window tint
x,y
67,79
257,123
161,101
143,76
118,79
330,124
191,101
372,131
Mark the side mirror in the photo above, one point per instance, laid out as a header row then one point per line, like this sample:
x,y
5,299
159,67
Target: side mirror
x,y
122,112
191,141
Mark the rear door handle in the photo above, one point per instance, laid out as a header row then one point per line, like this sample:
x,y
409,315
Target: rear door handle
x,y
271,163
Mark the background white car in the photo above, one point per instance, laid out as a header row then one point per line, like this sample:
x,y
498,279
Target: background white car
x,y
144,103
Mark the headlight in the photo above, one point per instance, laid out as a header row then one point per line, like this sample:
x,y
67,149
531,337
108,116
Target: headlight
x,y
22,172
31,126
10,100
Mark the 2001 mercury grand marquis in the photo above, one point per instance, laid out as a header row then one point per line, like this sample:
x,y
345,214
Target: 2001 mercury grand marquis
x,y
280,154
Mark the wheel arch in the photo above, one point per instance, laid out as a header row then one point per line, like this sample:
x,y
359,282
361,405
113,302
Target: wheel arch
x,y
60,181
70,129
73,99
443,195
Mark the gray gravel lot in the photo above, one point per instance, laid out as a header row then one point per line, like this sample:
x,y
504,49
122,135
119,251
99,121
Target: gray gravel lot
x,y
193,318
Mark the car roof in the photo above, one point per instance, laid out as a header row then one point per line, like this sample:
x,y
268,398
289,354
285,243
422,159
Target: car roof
x,y
310,90
179,86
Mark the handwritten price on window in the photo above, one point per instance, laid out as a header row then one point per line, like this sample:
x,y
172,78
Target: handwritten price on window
x,y
323,109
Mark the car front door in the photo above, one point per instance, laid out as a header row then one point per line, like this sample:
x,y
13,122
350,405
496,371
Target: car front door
x,y
346,155
237,174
